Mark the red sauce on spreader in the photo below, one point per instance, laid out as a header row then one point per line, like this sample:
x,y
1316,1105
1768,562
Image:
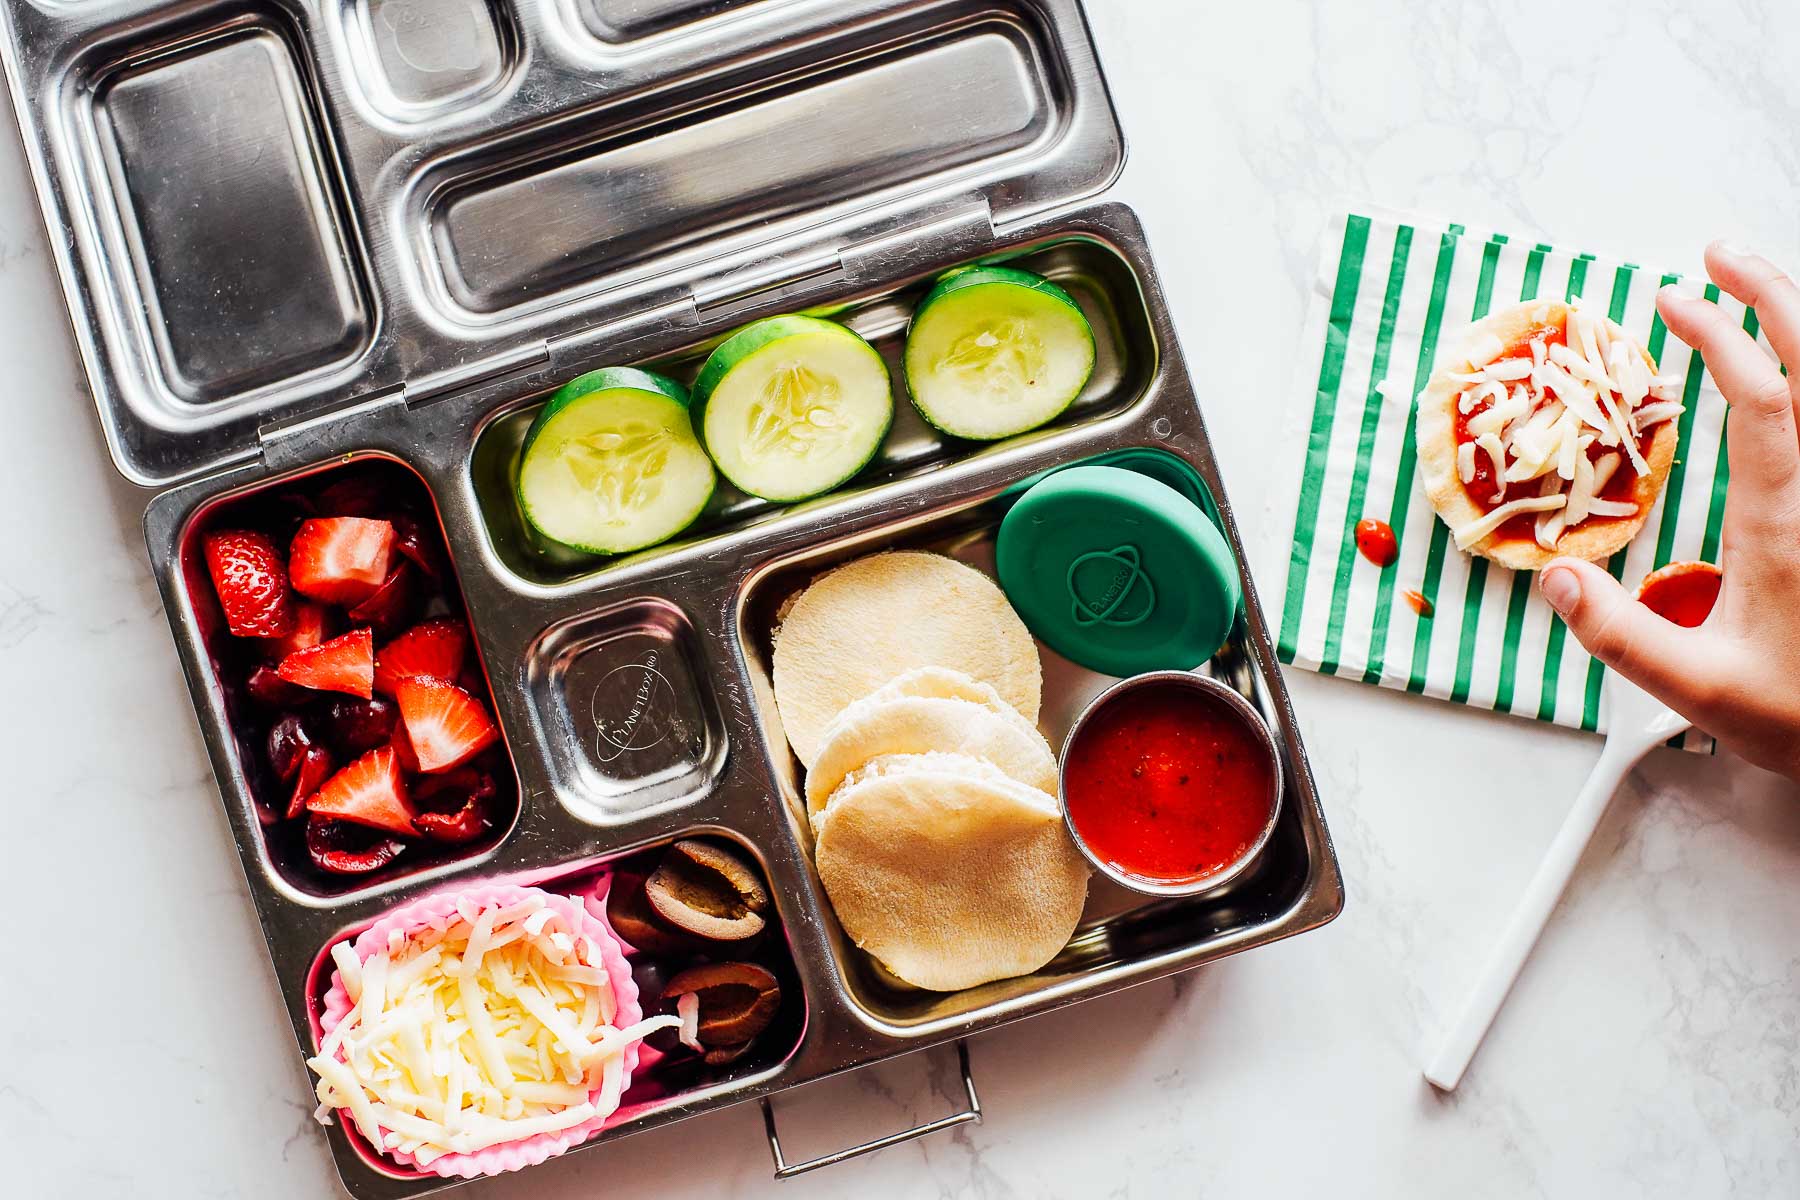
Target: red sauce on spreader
x,y
1682,592
1168,784
1375,540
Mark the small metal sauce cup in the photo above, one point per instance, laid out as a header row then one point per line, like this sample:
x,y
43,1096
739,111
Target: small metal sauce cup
x,y
1252,720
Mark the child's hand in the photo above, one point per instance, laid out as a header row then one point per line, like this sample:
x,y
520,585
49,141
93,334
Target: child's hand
x,y
1738,675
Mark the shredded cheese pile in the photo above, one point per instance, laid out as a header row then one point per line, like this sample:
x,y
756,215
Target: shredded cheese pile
x,y
493,1029
1540,415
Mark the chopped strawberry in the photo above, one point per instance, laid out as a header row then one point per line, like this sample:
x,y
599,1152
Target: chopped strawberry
x,y
370,791
344,664
446,725
251,581
308,631
429,650
340,560
314,770
393,604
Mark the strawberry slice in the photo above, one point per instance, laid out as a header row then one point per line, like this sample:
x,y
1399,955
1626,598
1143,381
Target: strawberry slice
x,y
445,724
370,791
307,631
344,664
429,650
340,560
251,581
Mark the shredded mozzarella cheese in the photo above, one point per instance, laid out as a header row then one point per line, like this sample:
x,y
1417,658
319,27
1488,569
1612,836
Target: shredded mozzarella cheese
x,y
1594,387
495,1029
1479,528
1549,527
687,1008
1652,414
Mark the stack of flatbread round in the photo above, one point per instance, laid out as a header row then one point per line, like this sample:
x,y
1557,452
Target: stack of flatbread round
x,y
937,831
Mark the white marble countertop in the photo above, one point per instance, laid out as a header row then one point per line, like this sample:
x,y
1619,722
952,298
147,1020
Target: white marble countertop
x,y
1652,1047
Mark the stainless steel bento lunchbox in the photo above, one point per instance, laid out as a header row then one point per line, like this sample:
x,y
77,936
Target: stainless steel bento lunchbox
x,y
296,235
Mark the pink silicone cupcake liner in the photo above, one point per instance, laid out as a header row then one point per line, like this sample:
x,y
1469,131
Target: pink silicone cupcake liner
x,y
439,911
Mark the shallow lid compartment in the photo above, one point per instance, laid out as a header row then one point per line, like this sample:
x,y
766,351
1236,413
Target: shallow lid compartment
x,y
246,275
876,116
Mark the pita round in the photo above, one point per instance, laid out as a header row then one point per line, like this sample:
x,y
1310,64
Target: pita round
x,y
949,873
884,724
859,625
951,684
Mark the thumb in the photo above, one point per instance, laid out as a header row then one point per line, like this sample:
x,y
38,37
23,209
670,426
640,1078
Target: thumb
x,y
1665,659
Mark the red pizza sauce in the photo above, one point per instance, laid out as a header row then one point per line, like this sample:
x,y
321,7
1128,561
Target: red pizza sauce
x,y
1168,784
1682,592
1480,489
1375,540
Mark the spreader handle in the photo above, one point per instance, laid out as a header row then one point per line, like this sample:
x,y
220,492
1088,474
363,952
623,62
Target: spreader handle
x,y
1533,913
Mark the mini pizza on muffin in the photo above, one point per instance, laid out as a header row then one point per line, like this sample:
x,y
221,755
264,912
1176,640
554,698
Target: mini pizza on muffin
x,y
1548,433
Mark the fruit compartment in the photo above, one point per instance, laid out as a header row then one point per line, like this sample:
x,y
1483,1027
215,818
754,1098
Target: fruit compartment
x,y
1120,930
1091,269
625,709
253,700
669,1075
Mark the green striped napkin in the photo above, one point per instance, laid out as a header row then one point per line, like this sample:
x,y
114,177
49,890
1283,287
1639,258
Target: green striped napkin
x,y
1390,291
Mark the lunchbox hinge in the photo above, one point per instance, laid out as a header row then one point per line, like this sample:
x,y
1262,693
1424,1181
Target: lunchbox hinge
x,y
451,380
780,281
644,333
959,229
295,443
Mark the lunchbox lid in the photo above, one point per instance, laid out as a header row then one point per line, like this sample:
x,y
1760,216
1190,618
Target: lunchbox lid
x,y
264,216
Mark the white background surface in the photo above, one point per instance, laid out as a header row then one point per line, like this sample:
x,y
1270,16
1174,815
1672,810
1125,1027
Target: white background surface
x,y
1651,1049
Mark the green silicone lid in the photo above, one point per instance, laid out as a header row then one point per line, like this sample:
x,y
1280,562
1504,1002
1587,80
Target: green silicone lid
x,y
1117,572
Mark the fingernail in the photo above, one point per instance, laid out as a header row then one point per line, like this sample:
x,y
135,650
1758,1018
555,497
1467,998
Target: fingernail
x,y
1732,249
1562,588
1671,293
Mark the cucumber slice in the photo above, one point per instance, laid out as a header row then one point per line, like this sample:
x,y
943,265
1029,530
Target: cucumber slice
x,y
791,407
994,351
612,464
